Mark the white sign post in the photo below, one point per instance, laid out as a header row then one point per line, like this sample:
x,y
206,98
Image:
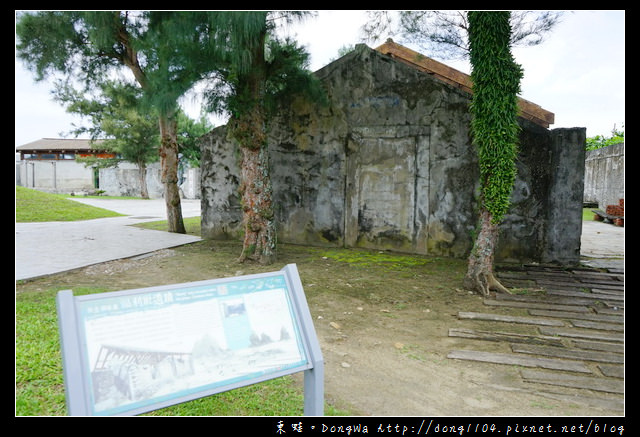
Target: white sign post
x,y
134,351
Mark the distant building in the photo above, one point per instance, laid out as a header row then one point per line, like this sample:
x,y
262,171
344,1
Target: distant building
x,y
59,149
49,164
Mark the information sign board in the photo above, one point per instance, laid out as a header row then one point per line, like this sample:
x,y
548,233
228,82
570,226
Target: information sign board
x,y
133,351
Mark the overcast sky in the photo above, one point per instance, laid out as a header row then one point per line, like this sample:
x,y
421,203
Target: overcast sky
x,y
577,73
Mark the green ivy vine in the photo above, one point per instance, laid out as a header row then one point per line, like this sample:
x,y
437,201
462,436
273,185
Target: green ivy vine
x,y
494,107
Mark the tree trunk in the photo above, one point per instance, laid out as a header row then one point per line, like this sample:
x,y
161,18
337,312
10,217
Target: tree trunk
x,y
248,127
259,224
168,136
480,276
169,164
255,186
142,172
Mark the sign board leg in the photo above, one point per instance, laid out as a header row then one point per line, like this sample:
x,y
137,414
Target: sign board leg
x,y
71,354
314,391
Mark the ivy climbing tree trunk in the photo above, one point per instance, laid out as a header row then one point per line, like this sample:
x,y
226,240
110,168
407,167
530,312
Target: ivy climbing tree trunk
x,y
494,126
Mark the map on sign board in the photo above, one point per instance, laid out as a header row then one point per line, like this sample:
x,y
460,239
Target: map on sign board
x,y
143,348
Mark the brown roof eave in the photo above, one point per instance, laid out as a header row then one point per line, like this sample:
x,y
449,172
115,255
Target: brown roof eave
x,y
55,145
458,79
76,151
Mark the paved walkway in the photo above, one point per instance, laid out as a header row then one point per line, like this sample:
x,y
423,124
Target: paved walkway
x,y
54,247
602,245
48,248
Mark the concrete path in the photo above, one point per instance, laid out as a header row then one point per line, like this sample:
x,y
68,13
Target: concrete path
x,y
602,245
142,210
54,247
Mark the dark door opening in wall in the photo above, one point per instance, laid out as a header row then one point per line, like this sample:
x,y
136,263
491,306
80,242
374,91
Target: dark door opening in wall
x,y
386,191
96,178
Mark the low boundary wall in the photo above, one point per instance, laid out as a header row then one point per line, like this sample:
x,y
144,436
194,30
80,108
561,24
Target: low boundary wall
x,y
61,176
604,175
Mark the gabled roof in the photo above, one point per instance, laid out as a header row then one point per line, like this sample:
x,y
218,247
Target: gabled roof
x,y
60,145
529,110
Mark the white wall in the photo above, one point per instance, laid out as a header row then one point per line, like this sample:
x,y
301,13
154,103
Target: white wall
x,y
604,175
54,176
58,176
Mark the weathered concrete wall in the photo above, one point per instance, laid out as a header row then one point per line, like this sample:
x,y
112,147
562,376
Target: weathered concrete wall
x,y
221,215
545,220
604,175
388,164
564,199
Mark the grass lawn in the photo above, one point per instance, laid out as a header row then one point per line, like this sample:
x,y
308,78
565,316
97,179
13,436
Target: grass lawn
x,y
39,385
39,378
587,214
38,206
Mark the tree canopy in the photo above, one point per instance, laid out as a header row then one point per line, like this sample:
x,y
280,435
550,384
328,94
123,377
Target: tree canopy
x,y
446,33
599,141
90,47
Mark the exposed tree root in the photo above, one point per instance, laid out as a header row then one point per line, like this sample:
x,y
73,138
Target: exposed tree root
x,y
484,282
496,285
479,275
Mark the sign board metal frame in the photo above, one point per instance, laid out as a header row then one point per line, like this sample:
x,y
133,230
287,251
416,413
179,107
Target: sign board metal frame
x,y
133,351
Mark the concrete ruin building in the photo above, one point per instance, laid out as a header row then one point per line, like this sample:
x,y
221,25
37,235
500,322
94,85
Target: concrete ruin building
x,y
389,164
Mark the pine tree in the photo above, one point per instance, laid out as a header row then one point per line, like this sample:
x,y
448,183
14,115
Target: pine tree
x,y
88,47
260,74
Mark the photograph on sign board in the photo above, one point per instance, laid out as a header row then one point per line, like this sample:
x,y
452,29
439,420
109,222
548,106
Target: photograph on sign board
x,y
144,348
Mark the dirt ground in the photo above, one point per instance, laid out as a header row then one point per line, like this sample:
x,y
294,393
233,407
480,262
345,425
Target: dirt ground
x,y
382,320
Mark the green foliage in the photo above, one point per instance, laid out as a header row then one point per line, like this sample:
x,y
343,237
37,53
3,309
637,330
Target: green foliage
x,y
77,44
256,67
116,115
599,141
445,33
496,84
189,131
131,131
126,126
288,75
45,41
168,52
88,46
